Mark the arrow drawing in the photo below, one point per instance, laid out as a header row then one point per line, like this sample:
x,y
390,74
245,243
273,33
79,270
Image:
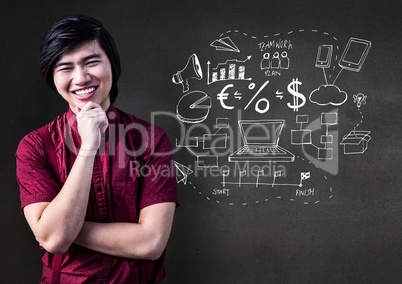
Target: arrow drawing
x,y
279,94
182,172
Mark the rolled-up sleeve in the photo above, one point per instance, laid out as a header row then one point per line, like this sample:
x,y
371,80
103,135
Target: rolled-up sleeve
x,y
37,180
159,179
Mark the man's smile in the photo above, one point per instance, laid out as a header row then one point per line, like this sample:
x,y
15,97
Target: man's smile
x,y
84,93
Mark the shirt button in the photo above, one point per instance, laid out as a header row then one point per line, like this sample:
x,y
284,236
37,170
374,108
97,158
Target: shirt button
x,y
99,189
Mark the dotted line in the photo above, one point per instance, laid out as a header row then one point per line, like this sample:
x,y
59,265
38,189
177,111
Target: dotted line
x,y
336,58
330,188
361,121
266,200
289,33
217,201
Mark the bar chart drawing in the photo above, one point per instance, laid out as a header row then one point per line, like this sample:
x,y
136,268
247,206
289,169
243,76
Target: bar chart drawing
x,y
232,69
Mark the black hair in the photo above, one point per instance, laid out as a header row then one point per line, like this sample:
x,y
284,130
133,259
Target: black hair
x,y
70,32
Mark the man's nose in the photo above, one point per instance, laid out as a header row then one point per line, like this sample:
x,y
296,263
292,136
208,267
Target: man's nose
x,y
81,76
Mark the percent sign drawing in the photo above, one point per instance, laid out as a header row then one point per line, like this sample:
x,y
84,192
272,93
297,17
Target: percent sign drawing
x,y
257,107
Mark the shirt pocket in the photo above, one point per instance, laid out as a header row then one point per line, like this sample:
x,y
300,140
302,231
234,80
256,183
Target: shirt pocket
x,y
124,200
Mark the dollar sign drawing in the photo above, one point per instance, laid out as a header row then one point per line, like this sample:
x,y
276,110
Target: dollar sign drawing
x,y
293,89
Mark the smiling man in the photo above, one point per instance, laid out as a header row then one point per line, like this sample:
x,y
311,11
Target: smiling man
x,y
84,75
97,219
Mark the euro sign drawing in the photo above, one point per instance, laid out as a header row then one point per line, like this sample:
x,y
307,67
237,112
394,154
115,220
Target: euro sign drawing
x,y
293,89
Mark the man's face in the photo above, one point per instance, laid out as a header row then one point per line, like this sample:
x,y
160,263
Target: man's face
x,y
84,74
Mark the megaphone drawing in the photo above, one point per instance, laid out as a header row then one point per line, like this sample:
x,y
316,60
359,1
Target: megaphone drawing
x,y
191,70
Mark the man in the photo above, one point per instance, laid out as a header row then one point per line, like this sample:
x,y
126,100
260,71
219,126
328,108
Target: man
x,y
97,185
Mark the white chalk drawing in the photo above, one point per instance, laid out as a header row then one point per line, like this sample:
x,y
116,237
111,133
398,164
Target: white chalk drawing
x,y
298,192
302,118
265,61
187,142
293,89
241,174
276,62
242,166
232,69
207,141
261,139
328,95
182,172
301,136
224,173
204,159
261,106
191,70
214,141
225,44
356,142
207,161
276,174
193,107
361,119
223,96
222,123
324,56
327,119
318,155
352,59
359,99
354,55
304,176
259,173
279,94
284,61
205,148
262,100
258,183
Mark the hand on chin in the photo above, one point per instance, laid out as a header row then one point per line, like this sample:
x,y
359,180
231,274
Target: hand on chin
x,y
81,105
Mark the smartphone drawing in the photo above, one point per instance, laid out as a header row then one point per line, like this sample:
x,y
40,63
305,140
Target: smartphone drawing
x,y
324,56
355,54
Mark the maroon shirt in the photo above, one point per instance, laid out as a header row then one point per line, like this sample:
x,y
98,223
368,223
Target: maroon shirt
x,y
133,169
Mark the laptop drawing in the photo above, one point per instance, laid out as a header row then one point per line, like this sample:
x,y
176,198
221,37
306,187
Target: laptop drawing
x,y
261,138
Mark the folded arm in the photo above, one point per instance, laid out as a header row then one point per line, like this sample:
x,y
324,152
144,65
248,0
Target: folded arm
x,y
146,239
56,224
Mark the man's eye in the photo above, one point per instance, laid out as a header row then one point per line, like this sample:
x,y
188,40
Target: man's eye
x,y
65,69
92,63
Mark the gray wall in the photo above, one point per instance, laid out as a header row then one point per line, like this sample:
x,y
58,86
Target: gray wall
x,y
351,235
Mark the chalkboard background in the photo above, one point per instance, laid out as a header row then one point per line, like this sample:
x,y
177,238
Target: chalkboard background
x,y
346,230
